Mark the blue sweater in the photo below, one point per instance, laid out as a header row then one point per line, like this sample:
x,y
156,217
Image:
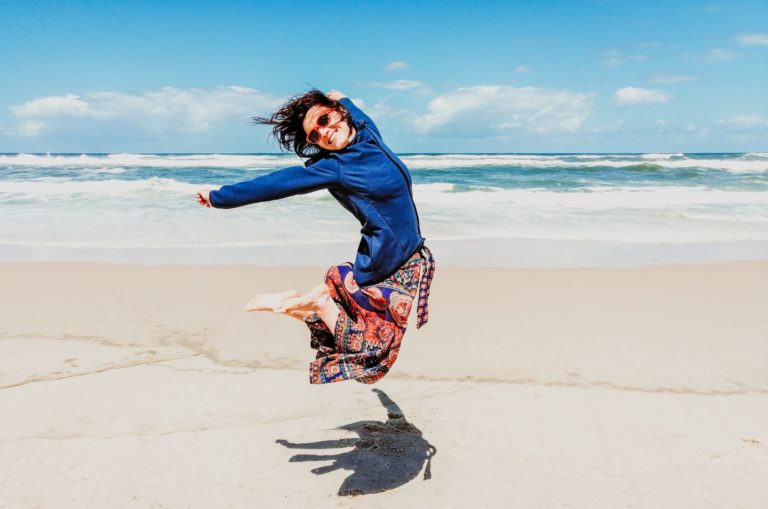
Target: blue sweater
x,y
367,179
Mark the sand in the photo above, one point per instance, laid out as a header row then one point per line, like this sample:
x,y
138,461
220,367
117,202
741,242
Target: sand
x,y
130,386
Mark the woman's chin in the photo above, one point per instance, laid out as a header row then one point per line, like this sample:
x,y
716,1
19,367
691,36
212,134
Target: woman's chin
x,y
338,144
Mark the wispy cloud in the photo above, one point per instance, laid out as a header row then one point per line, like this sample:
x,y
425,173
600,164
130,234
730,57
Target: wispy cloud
x,y
164,111
612,58
743,123
54,106
383,109
615,58
397,65
753,39
398,85
629,96
490,110
722,55
722,8
522,69
670,79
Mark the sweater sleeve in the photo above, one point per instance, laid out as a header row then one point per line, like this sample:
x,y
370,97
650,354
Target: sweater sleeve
x,y
279,184
357,115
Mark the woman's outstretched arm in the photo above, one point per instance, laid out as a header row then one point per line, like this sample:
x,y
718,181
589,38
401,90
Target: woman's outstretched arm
x,y
279,184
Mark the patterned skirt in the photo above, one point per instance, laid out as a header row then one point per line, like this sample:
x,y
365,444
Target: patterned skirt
x,y
371,323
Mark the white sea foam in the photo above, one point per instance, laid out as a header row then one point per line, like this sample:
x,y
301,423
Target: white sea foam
x,y
151,160
595,156
748,163
595,198
438,193
556,162
436,187
111,171
661,156
51,186
472,160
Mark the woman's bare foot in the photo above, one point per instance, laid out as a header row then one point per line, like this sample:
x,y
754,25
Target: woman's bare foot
x,y
298,306
295,313
314,300
270,301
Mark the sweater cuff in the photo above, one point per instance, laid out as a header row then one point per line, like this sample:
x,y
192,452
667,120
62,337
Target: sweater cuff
x,y
355,113
212,198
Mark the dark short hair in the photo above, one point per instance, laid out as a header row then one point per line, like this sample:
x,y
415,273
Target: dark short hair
x,y
288,121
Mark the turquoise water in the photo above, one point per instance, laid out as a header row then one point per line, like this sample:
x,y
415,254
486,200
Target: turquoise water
x,y
62,204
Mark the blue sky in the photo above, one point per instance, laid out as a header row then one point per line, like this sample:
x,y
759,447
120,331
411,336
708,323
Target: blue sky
x,y
536,76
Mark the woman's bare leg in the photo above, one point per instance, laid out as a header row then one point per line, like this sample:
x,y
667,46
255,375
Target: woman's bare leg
x,y
316,301
298,306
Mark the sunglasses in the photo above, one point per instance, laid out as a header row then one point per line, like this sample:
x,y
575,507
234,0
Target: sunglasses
x,y
323,120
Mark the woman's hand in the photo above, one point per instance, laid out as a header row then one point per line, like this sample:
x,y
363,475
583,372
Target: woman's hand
x,y
335,95
204,198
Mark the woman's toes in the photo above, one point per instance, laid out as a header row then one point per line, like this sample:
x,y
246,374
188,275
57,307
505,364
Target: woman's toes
x,y
269,301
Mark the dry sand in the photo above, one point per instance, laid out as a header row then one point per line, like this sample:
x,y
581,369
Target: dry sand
x,y
127,386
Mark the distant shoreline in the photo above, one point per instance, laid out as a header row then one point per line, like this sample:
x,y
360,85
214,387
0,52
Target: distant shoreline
x,y
489,253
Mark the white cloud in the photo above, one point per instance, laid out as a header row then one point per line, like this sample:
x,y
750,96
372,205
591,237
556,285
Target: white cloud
x,y
399,85
163,111
397,65
722,55
670,79
46,107
487,110
722,9
614,127
522,68
632,95
615,58
743,123
30,128
383,109
753,39
612,58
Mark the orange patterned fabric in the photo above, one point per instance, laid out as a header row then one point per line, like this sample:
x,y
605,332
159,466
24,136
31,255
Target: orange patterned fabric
x,y
371,323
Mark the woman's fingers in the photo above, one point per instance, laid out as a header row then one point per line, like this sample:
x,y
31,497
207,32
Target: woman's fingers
x,y
203,198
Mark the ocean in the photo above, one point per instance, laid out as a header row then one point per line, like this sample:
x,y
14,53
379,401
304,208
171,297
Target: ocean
x,y
478,209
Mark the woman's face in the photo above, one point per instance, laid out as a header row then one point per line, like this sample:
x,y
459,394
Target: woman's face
x,y
334,135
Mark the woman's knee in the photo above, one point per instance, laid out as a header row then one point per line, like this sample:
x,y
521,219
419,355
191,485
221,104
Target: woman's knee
x,y
330,273
321,293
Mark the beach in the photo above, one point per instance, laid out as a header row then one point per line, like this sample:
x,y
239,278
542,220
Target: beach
x,y
591,182
597,337
149,386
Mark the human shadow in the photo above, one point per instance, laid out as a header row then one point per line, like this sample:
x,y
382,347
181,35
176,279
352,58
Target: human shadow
x,y
386,455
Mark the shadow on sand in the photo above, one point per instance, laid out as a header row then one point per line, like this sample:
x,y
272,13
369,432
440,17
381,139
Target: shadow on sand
x,y
385,456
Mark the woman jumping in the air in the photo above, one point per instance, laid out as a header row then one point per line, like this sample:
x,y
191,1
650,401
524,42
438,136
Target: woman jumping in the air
x,y
358,317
